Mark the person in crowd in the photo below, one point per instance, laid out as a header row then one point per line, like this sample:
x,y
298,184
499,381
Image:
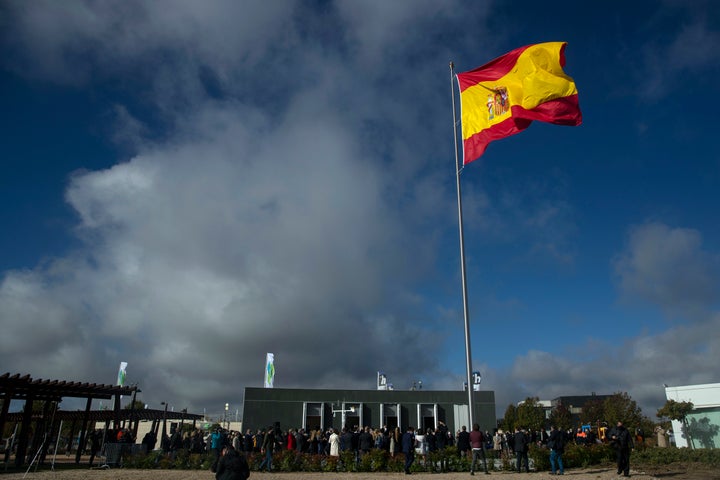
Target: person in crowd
x,y
639,435
314,440
590,437
431,440
477,444
324,442
580,437
291,442
232,465
365,441
421,446
521,443
556,444
463,441
258,439
149,440
408,448
623,443
176,442
661,437
603,433
345,440
196,443
248,441
395,441
441,440
497,443
94,439
379,439
334,443
510,441
267,447
216,444
301,440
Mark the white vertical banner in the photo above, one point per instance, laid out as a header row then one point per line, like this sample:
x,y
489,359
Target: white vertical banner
x,y
477,378
269,370
121,374
382,381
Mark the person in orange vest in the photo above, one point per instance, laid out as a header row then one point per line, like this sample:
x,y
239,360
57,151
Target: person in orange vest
x,y
580,437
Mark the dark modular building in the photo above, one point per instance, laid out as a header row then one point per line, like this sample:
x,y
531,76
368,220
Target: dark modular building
x,y
312,409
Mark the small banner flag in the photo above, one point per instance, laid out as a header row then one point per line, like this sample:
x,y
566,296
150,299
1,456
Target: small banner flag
x,y
122,374
477,379
269,370
382,381
504,96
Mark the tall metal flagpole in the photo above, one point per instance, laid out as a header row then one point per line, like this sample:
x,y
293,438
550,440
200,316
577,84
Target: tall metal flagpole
x,y
468,356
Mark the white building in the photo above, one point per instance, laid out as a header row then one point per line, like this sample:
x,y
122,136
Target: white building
x,y
704,421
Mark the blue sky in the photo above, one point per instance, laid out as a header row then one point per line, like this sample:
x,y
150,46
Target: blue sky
x,y
187,186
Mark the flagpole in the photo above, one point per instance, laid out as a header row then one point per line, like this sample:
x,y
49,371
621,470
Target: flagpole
x,y
466,314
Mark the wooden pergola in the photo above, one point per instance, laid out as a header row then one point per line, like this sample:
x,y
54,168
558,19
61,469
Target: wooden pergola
x,y
51,393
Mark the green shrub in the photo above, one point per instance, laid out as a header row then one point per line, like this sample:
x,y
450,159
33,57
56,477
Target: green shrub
x,y
665,456
331,464
347,461
575,456
540,457
455,462
396,463
312,462
378,460
287,461
582,456
365,463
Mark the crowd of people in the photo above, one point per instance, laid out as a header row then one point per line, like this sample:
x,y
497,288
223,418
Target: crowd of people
x,y
476,445
416,445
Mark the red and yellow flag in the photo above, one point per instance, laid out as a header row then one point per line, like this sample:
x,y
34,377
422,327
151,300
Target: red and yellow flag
x,y
504,96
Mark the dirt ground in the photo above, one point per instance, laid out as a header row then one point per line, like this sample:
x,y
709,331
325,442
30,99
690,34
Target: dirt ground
x,y
64,473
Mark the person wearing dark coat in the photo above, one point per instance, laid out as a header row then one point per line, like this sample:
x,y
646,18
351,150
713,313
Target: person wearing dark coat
x,y
463,441
556,443
441,439
408,448
232,465
622,441
522,440
365,441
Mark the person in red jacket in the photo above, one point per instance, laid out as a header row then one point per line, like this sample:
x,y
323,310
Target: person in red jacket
x,y
477,444
291,440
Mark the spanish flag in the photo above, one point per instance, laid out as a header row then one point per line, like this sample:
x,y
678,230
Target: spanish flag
x,y
503,97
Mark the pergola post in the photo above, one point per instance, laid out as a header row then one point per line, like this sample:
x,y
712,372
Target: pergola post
x,y
83,430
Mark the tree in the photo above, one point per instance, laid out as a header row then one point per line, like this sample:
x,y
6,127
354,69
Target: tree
x,y
619,407
530,414
678,411
510,419
561,418
137,404
593,412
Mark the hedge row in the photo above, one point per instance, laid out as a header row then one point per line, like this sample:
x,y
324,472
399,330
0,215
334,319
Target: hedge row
x,y
446,460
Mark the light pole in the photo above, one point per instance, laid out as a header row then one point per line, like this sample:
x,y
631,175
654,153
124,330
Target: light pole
x,y
225,418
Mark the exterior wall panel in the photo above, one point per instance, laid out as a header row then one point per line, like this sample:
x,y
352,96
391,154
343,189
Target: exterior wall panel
x,y
266,406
